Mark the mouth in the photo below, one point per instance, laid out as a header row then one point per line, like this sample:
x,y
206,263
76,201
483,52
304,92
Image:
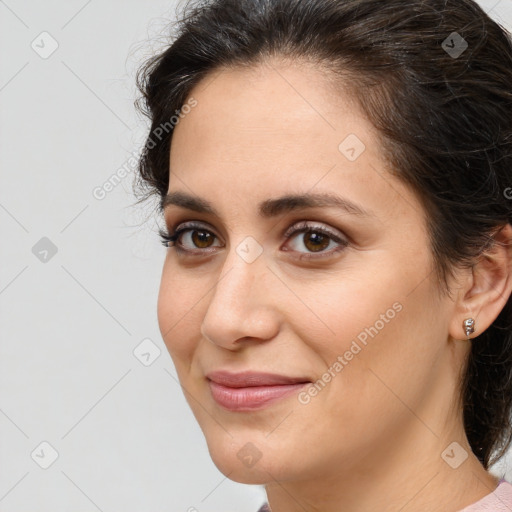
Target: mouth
x,y
249,391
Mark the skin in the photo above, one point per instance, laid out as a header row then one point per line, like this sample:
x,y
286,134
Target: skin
x,y
372,438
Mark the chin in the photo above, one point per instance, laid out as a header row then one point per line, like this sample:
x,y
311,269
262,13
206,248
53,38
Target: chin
x,y
234,470
244,462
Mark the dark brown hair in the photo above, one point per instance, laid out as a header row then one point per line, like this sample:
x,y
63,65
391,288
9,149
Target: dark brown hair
x,y
443,110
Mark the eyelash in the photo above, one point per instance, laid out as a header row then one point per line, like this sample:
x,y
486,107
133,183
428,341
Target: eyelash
x,y
169,240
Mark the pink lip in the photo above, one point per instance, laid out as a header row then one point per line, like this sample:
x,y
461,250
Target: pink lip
x,y
250,390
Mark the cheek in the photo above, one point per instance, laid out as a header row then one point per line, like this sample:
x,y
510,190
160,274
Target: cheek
x,y
177,311
353,304
376,316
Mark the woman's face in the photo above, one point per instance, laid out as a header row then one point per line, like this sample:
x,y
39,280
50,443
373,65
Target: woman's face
x,y
351,307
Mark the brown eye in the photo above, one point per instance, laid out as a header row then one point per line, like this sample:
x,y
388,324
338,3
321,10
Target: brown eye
x,y
191,238
315,241
195,240
311,241
201,238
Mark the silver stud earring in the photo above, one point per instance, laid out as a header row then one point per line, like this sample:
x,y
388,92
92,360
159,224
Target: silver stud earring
x,y
468,326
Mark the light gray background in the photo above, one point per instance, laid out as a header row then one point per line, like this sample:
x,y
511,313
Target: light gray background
x,y
125,437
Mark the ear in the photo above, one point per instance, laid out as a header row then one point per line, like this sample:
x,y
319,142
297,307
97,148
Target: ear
x,y
485,288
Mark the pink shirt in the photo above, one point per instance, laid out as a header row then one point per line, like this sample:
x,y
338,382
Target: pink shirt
x,y
500,500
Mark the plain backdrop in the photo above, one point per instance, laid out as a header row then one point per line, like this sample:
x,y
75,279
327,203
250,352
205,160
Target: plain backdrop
x,y
91,415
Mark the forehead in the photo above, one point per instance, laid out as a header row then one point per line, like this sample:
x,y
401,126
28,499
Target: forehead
x,y
272,103
274,129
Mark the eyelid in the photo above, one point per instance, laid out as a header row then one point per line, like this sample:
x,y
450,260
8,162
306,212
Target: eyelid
x,y
191,224
306,225
295,228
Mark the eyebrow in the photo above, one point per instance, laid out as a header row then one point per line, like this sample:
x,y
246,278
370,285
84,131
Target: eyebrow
x,y
270,207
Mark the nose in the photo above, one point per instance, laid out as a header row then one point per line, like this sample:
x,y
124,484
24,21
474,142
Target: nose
x,y
242,308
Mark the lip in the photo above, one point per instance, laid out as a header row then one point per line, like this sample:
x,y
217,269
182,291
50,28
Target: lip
x,y
248,391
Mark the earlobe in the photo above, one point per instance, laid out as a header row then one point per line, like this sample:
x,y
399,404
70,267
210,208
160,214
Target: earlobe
x,y
486,289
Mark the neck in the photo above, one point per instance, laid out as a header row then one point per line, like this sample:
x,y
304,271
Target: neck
x,y
414,478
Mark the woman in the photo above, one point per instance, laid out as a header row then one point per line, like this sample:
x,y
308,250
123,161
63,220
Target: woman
x,y
335,181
